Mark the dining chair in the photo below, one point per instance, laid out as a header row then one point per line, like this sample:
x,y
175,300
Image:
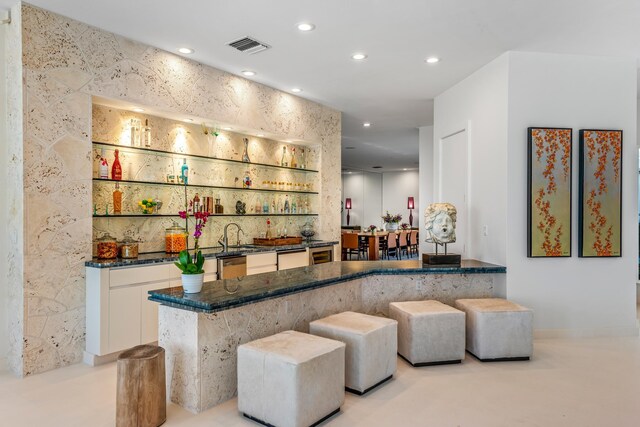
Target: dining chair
x,y
383,238
392,245
363,246
413,242
403,245
350,245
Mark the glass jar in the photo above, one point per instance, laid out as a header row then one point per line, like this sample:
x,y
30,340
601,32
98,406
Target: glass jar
x,y
107,247
128,248
307,231
175,238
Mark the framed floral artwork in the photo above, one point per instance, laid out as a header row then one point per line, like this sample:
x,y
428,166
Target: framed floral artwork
x,y
549,192
600,216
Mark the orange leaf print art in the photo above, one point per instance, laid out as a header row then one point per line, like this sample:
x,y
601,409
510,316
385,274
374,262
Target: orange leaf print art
x,y
601,179
552,156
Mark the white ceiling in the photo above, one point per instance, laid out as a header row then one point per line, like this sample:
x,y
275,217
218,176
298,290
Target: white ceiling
x,y
394,88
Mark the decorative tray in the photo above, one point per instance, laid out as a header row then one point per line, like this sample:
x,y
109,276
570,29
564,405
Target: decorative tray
x,y
277,241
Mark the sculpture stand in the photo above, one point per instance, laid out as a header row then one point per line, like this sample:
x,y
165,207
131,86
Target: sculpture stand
x,y
441,259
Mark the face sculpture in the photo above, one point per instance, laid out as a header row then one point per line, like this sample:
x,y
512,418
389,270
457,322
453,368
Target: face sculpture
x,y
440,223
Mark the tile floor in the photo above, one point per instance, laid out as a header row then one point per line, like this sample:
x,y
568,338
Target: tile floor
x,y
577,382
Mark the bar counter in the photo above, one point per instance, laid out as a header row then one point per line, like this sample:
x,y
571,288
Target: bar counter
x,y
201,332
228,293
215,252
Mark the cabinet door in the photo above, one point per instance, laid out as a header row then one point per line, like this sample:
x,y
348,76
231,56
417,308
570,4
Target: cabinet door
x,y
124,318
261,260
293,260
149,313
263,269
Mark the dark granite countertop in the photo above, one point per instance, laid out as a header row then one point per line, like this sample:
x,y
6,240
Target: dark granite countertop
x,y
224,294
160,257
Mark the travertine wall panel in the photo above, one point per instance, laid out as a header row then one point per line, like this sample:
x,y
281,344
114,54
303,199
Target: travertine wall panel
x,y
63,63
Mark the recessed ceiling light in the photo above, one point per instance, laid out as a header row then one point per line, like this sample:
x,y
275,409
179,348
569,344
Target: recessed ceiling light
x,y
188,120
226,128
138,110
404,169
432,60
249,73
296,90
186,50
366,124
260,135
288,141
306,26
359,56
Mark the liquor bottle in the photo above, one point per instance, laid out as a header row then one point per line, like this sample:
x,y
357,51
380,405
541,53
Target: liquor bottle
x,y
135,132
146,134
104,166
294,161
117,200
196,203
265,206
287,209
283,161
116,169
268,234
294,207
303,161
245,153
284,230
273,206
184,172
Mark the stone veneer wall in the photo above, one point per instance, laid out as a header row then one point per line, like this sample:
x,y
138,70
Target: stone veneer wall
x,y
61,64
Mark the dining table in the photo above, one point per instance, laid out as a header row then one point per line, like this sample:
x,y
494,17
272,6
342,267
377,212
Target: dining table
x,y
374,243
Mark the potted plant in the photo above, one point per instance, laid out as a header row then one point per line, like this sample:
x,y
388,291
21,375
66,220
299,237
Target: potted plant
x,y
405,226
391,221
372,228
191,265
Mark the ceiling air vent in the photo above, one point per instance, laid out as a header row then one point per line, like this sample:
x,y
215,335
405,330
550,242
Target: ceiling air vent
x,y
248,45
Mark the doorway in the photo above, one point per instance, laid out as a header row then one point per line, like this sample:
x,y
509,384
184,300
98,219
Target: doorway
x,y
453,185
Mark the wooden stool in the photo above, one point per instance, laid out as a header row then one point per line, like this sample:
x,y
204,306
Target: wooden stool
x,y
141,394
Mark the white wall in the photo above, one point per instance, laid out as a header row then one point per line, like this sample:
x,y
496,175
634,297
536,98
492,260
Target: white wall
x,y
575,296
570,296
365,191
426,182
478,106
372,194
397,187
4,336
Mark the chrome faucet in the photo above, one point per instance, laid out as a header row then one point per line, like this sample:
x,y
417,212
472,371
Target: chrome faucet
x,y
225,239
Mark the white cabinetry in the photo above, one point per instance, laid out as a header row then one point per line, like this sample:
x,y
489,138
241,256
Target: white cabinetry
x,y
262,263
293,259
119,315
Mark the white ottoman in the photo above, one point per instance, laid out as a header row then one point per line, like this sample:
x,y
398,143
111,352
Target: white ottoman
x,y
498,329
290,379
371,347
429,332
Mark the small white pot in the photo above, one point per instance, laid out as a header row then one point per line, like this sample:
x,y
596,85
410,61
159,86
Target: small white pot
x,y
192,283
391,226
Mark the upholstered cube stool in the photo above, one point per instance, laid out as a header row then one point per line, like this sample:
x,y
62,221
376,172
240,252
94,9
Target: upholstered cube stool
x,y
429,332
498,329
290,379
371,347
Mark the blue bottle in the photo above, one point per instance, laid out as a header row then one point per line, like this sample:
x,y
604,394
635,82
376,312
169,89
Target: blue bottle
x,y
185,172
